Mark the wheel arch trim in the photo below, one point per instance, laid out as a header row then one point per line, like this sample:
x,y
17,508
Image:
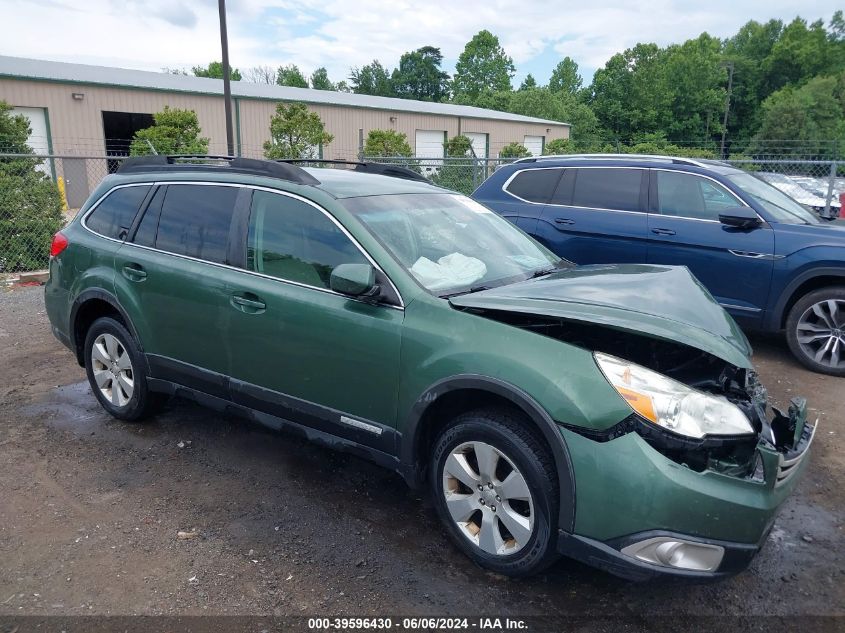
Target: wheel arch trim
x,y
779,315
100,295
413,432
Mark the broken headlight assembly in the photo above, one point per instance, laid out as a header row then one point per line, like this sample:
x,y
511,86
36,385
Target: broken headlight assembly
x,y
672,405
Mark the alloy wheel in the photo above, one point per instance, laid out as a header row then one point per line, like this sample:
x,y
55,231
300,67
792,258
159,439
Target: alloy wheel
x,y
488,498
821,333
112,370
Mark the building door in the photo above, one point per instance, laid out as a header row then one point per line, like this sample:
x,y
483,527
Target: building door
x,y
479,143
119,129
76,181
534,144
39,137
429,146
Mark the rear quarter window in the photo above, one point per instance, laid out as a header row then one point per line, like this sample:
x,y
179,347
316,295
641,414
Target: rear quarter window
x,y
113,216
534,185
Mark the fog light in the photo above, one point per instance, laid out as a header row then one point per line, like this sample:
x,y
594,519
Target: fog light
x,y
672,552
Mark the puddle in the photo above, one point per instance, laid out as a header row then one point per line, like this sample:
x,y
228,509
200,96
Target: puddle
x,y
74,408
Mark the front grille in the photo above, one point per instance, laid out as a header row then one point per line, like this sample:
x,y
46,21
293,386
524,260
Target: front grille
x,y
788,464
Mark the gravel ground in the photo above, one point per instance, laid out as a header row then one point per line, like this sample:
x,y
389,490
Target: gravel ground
x,y
92,509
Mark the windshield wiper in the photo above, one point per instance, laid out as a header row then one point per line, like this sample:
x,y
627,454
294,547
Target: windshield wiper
x,y
466,292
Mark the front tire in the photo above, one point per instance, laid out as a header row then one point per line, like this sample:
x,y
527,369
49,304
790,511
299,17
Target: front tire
x,y
815,330
496,490
117,371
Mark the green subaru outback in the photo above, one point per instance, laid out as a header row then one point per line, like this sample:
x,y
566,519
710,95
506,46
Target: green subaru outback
x,y
607,413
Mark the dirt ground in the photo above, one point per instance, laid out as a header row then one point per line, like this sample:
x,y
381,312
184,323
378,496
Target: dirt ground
x,y
91,509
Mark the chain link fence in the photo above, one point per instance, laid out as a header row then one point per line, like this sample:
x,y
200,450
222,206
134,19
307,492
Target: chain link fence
x,y
41,193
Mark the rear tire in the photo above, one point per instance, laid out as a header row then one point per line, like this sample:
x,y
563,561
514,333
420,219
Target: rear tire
x,y
495,488
117,372
815,330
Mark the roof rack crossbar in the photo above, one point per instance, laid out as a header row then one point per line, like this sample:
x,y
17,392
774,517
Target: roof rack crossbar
x,y
674,159
269,168
383,169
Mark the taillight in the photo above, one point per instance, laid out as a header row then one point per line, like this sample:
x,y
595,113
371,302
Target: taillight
x,y
59,244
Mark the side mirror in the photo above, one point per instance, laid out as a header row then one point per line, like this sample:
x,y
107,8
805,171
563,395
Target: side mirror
x,y
354,280
740,218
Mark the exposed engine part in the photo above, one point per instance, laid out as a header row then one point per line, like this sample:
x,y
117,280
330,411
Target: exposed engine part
x,y
735,456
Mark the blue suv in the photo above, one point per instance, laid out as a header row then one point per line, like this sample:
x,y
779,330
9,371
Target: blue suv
x,y
770,262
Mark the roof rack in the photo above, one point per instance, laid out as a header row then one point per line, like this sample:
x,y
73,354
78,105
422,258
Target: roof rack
x,y
383,169
269,168
674,159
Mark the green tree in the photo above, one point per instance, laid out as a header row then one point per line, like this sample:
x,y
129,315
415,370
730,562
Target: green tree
x,y
214,70
559,146
747,51
30,212
461,174
290,75
420,77
372,79
696,81
382,143
514,150
458,146
544,104
295,132
813,113
801,52
174,131
528,83
320,80
482,67
565,77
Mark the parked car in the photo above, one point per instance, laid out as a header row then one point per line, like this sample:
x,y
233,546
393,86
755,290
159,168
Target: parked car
x,y
610,413
811,192
771,263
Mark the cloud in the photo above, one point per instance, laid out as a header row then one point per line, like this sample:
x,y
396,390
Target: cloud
x,y
178,15
337,34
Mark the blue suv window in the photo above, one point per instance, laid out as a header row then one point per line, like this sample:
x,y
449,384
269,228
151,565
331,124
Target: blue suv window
x,y
691,196
607,188
534,185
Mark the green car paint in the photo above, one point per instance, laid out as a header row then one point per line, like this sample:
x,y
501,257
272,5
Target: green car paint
x,y
382,366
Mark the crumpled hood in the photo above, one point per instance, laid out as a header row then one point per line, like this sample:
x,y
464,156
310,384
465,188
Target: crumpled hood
x,y
664,302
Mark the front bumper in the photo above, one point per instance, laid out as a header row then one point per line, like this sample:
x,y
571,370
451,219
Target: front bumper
x,y
608,556
628,492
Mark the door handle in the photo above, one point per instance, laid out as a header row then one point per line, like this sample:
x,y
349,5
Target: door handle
x,y
134,272
247,304
663,231
564,221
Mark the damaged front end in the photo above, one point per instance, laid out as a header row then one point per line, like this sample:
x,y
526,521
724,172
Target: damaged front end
x,y
768,448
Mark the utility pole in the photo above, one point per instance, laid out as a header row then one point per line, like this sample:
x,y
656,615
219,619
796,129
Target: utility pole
x,y
730,66
227,92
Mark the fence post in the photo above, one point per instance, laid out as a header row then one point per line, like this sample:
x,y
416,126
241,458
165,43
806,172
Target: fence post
x,y
830,184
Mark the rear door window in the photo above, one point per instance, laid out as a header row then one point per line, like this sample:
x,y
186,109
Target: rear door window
x,y
114,215
604,188
195,221
534,185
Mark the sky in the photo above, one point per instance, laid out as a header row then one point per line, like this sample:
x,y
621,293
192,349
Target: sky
x,y
157,34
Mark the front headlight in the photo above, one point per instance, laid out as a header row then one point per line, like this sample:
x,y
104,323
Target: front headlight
x,y
671,404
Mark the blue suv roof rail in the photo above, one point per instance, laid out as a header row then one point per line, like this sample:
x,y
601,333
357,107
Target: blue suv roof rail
x,y
673,159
